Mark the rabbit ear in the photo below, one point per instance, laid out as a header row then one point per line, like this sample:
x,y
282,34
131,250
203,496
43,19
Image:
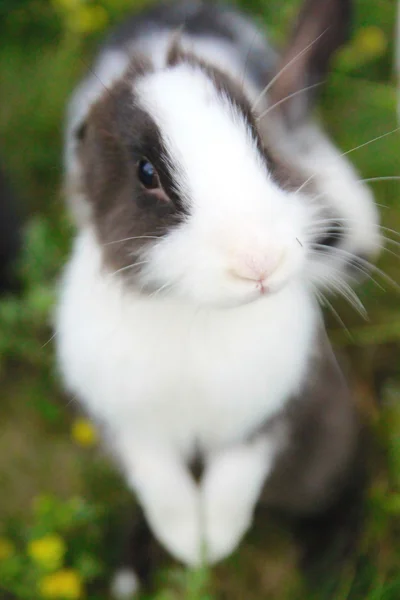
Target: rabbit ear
x,y
321,28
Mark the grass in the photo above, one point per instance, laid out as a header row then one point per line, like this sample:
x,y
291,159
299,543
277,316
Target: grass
x,y
44,48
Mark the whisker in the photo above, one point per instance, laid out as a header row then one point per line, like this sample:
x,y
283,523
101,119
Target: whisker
x,y
334,220
315,238
317,293
284,68
355,266
372,267
303,185
352,298
138,237
389,230
169,285
321,230
348,294
385,276
338,318
50,340
332,250
384,178
390,252
325,227
270,108
380,137
131,266
335,227
345,290
347,254
325,302
390,241
71,400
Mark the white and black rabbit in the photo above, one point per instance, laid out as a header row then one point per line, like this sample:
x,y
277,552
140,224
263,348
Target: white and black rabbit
x,y
349,221
187,324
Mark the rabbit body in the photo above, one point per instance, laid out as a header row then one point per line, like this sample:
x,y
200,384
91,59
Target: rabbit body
x,y
187,324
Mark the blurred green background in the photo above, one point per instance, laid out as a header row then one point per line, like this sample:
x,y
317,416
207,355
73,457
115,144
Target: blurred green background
x,y
61,502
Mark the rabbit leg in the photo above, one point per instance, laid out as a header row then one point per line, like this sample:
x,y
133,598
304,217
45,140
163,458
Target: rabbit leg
x,y
168,495
230,489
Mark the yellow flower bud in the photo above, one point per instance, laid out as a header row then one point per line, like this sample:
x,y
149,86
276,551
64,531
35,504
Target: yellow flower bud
x,y
66,584
7,548
88,19
84,433
370,41
47,552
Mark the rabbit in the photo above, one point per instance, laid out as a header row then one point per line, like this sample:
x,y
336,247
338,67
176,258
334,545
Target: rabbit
x,y
282,89
188,320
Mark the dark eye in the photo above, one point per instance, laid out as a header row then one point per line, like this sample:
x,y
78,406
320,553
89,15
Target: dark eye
x,y
333,236
147,174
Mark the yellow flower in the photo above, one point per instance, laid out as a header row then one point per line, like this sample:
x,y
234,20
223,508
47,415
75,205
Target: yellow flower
x,y
83,433
368,44
6,548
370,41
48,551
65,584
88,19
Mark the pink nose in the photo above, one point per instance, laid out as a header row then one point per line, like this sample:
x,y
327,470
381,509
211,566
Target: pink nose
x,y
253,269
257,278
247,274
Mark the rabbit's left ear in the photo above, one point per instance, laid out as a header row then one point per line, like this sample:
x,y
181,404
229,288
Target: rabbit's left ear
x,y
321,28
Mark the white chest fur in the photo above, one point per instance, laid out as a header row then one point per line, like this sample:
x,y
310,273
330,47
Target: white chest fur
x,y
165,370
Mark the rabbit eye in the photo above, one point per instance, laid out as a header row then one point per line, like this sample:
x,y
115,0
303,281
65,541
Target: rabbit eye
x,y
333,236
147,174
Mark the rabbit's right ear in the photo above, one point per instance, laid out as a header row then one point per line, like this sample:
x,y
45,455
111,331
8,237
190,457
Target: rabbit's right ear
x,y
321,28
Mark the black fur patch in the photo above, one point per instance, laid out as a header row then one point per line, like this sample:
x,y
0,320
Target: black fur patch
x,y
118,135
